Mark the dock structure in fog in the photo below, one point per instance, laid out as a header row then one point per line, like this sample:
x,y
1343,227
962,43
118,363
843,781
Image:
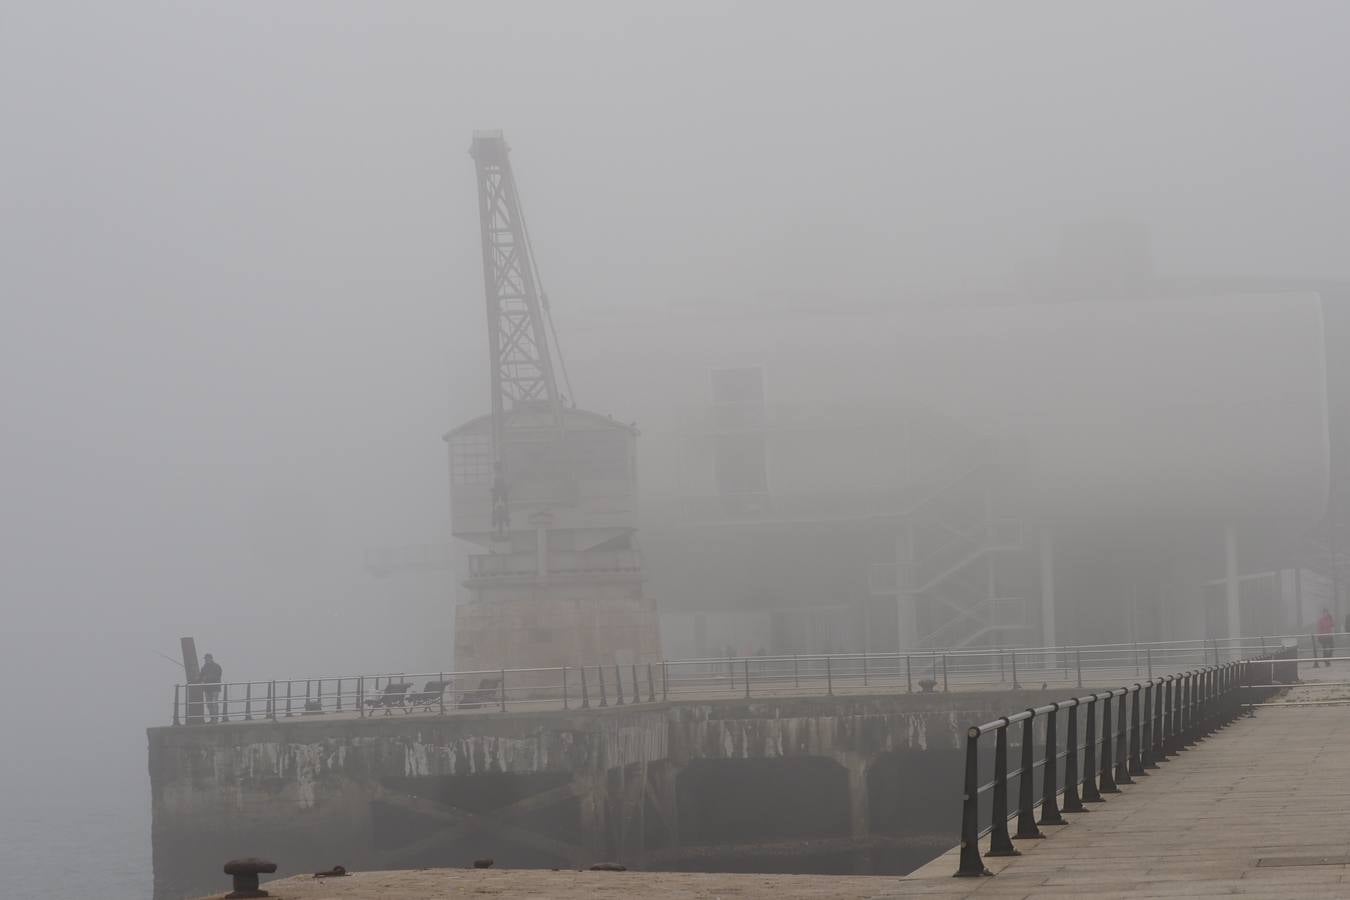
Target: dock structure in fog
x,y
1239,805
829,765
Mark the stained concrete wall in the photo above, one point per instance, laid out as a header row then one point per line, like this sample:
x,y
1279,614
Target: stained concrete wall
x,y
549,788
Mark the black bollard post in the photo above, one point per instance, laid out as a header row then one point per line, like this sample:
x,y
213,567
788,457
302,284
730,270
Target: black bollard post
x,y
1050,776
1105,783
1090,792
971,863
1026,778
1072,802
1146,743
1000,844
1122,743
1135,760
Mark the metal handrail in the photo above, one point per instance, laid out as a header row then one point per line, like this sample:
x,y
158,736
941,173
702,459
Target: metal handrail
x,y
582,687
1165,714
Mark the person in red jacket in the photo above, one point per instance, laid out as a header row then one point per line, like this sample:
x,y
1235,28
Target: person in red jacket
x,y
1326,627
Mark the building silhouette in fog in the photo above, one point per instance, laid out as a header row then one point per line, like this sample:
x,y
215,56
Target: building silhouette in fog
x,y
1101,456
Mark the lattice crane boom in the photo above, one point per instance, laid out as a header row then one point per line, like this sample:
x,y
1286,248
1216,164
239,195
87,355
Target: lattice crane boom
x,y
518,337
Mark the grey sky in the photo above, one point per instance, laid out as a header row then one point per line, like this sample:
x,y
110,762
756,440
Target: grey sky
x,y
240,292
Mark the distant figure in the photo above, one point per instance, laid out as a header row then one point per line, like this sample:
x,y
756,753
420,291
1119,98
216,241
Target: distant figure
x,y
210,676
1326,628
501,502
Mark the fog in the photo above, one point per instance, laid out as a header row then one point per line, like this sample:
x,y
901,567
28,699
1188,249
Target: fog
x,y
240,282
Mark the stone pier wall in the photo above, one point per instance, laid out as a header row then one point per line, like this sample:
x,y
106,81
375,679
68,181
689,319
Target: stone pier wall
x,y
543,789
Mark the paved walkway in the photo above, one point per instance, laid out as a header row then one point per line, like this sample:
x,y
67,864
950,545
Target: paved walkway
x,y
1261,808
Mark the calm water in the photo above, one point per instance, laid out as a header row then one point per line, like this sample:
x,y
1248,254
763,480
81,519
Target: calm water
x,y
90,842
74,793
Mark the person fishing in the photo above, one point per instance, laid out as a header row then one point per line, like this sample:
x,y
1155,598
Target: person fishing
x,y
209,676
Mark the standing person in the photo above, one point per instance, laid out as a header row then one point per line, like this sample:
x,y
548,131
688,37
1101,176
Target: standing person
x,y
210,677
1326,628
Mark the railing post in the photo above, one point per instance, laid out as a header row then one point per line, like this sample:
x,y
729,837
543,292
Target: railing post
x,y
665,681
1072,802
747,678
176,692
225,703
1184,711
585,695
360,696
1158,730
288,698
637,687
1148,657
829,677
1146,745
1078,663
1050,776
502,673
1135,760
248,701
339,695
909,676
945,686
971,863
1174,715
651,684
1090,792
564,688
440,678
1000,844
600,673
1015,686
1026,783
1122,742
1105,783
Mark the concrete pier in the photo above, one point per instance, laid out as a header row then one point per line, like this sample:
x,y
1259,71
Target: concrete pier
x,y
651,785
1260,808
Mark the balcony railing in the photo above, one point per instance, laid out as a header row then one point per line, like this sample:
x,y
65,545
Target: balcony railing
x,y
566,562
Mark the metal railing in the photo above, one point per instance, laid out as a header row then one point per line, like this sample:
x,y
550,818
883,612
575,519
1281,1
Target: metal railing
x,y
798,674
1153,720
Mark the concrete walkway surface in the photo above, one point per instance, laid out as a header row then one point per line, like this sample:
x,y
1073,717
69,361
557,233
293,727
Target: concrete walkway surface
x,y
1261,808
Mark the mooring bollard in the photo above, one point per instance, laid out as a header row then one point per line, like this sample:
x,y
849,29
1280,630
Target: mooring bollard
x,y
245,873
